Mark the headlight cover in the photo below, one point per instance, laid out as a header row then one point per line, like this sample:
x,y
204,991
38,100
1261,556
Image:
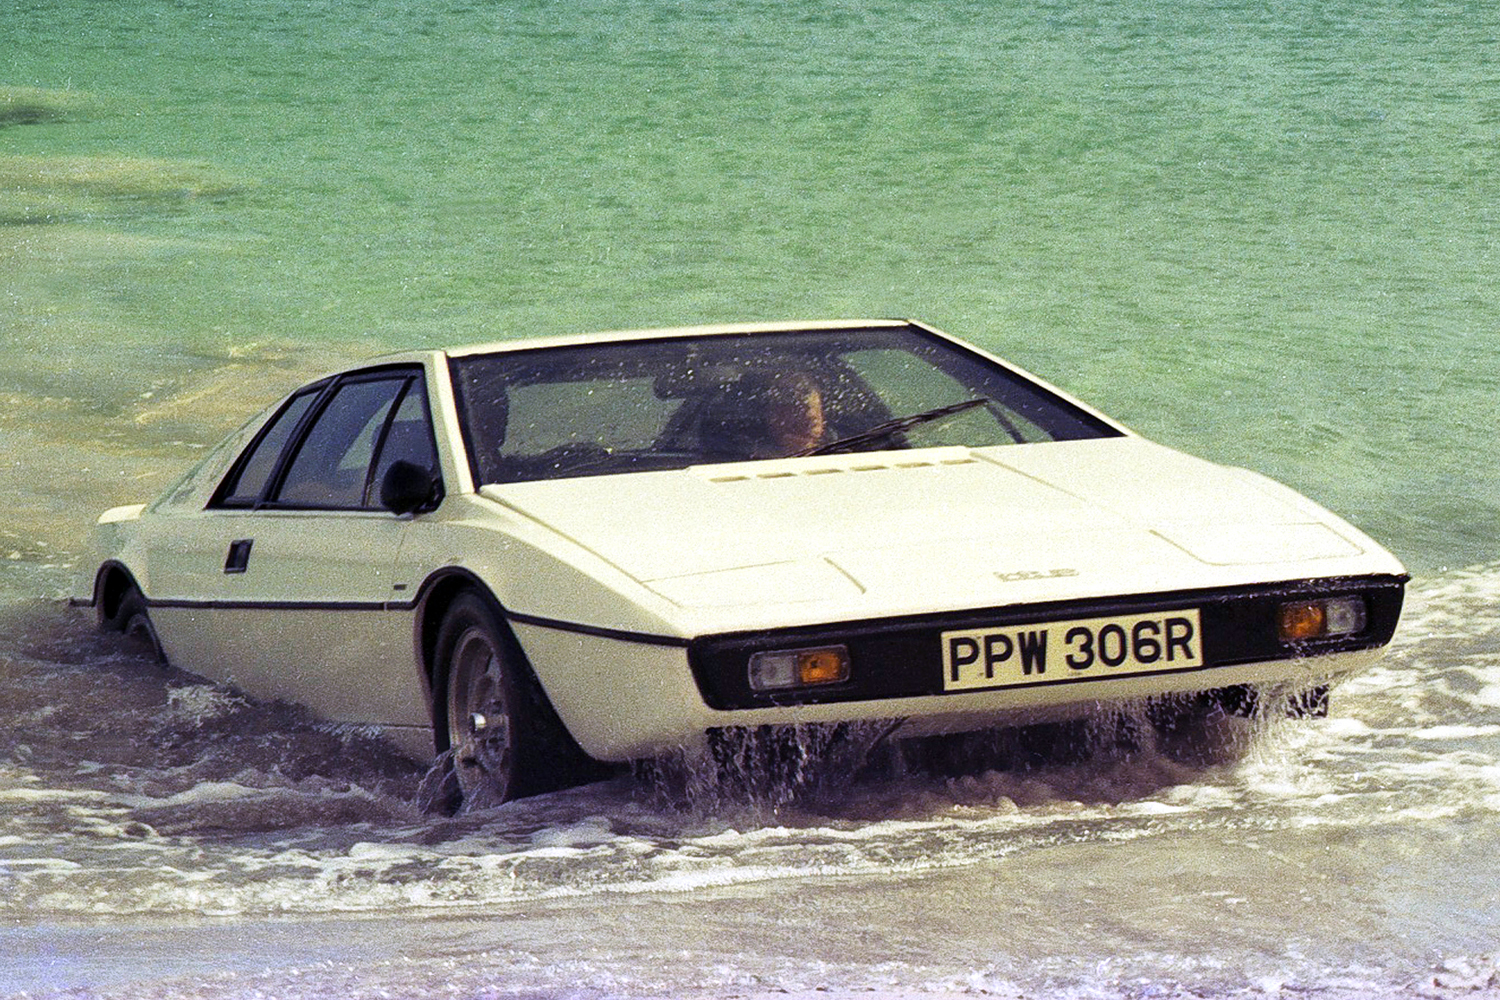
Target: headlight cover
x,y
780,669
1320,618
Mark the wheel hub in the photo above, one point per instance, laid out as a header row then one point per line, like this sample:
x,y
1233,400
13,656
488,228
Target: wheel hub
x,y
479,731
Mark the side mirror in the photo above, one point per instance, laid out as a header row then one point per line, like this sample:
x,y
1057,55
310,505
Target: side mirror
x,y
407,487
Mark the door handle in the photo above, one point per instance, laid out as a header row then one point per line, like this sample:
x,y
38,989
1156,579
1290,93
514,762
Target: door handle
x,y
238,558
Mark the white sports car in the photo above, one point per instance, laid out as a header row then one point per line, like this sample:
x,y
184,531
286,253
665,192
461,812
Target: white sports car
x,y
544,554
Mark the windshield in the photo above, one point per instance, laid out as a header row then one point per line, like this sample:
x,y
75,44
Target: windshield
x,y
667,404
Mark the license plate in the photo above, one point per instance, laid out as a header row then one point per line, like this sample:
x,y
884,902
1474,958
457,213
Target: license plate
x,y
1080,649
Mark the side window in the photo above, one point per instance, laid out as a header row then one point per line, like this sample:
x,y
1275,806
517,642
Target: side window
x,y
409,439
331,467
252,473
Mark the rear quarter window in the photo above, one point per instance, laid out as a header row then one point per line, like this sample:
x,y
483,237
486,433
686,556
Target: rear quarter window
x,y
252,473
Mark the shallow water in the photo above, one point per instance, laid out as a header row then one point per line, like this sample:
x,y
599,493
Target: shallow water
x,y
1265,234
163,838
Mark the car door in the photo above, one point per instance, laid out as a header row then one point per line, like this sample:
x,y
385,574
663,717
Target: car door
x,y
290,566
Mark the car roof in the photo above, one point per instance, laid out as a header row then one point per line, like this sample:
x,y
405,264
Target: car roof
x,y
420,356
711,330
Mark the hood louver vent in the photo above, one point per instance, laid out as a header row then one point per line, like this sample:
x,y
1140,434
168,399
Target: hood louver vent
x,y
801,468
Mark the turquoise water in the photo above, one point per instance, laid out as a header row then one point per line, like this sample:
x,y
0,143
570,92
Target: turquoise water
x,y
1262,232
1265,233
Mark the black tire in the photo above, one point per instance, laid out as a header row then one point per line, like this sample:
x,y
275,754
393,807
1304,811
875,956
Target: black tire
x,y
505,740
132,620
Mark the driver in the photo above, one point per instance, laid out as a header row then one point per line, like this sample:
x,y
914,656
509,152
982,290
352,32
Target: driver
x,y
765,415
793,414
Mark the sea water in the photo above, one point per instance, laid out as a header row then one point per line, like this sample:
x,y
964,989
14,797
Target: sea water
x,y
1264,233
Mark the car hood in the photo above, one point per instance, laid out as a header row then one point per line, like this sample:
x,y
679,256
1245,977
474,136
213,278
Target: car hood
x,y
913,529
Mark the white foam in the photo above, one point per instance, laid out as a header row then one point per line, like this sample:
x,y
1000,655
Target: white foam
x,y
1454,732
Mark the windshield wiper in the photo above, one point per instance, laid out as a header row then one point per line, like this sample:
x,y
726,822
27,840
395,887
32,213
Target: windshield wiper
x,y
886,429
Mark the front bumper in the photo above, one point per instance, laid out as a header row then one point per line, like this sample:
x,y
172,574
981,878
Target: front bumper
x,y
624,700
901,658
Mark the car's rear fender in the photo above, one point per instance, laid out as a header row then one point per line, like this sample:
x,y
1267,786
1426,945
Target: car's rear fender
x,y
111,583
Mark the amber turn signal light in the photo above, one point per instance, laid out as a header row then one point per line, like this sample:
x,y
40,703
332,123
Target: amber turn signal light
x,y
1320,618
793,668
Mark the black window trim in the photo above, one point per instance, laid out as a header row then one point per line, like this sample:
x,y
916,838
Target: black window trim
x,y
324,390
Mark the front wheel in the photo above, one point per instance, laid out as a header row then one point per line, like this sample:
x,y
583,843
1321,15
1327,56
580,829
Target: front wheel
x,y
503,737
480,704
